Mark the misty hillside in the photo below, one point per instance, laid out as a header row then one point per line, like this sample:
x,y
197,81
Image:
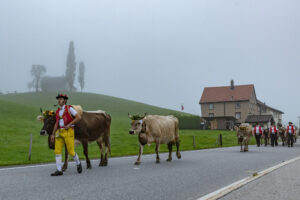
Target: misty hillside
x,y
18,114
117,107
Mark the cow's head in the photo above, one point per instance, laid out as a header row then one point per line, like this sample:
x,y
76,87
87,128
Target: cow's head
x,y
48,119
136,124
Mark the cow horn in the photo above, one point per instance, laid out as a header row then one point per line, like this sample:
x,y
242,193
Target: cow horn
x,y
130,116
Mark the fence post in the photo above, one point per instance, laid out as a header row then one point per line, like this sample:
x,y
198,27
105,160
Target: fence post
x,y
194,142
30,147
221,140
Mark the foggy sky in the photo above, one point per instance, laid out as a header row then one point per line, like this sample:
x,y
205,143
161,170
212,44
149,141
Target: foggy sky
x,y
160,52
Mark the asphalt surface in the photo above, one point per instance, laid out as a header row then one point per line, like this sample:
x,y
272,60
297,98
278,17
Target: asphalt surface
x,y
281,184
196,174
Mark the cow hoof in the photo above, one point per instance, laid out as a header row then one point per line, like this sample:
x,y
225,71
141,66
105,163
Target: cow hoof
x,y
89,167
157,161
101,164
137,163
105,164
245,150
64,168
178,155
169,160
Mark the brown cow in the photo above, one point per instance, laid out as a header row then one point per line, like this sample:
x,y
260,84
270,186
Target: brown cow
x,y
244,133
282,133
93,126
156,129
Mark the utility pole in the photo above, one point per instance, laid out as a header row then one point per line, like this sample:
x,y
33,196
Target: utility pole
x,y
299,122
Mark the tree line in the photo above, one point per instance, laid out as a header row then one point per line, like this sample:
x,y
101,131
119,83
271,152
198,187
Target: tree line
x,y
66,82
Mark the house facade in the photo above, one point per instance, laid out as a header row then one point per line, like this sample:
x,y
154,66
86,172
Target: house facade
x,y
226,106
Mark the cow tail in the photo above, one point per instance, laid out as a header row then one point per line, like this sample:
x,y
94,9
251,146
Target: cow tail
x,y
177,131
108,131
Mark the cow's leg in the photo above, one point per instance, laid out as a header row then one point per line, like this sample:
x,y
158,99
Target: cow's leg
x,y
241,146
138,161
157,154
246,144
170,145
100,144
178,154
106,152
86,153
65,166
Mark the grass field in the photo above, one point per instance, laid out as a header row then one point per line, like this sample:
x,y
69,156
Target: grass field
x,y
18,114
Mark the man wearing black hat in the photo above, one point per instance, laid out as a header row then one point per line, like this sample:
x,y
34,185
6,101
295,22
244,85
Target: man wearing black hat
x,y
290,130
63,133
274,134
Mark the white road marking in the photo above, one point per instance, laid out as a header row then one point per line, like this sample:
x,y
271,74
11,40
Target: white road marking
x,y
94,160
236,185
31,166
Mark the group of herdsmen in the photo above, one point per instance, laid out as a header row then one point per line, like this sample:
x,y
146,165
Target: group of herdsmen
x,y
273,133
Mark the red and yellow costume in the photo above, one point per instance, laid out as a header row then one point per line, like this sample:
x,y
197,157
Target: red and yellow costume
x,y
64,136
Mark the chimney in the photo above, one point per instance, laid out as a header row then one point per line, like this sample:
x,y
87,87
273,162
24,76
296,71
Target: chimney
x,y
232,84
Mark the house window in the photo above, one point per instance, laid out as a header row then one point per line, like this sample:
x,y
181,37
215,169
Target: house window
x,y
211,106
211,114
237,105
238,115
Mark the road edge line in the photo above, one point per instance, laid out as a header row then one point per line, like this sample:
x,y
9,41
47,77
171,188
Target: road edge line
x,y
238,184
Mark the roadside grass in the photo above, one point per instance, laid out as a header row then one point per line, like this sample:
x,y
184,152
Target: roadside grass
x,y
18,114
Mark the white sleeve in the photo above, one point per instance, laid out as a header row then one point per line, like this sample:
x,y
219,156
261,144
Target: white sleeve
x,y
73,111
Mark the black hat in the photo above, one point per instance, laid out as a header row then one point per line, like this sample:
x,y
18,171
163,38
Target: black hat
x,y
62,96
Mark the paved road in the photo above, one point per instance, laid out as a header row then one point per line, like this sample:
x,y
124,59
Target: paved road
x,y
196,174
281,184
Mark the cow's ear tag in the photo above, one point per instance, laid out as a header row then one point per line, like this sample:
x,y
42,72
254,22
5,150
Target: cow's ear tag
x,y
141,121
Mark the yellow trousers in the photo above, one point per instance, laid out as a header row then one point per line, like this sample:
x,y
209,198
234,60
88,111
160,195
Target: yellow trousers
x,y
63,137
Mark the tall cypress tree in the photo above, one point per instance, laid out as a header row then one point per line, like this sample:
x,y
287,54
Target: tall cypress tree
x,y
81,75
71,67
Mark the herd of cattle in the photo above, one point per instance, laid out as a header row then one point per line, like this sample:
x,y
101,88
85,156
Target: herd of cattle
x,y
245,132
95,126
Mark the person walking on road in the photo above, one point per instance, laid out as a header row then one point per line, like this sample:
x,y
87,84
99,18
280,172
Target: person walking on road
x,y
63,133
257,131
273,134
266,136
290,131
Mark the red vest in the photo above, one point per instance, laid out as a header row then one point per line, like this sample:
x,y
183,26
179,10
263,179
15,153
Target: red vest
x,y
290,128
67,117
273,129
259,129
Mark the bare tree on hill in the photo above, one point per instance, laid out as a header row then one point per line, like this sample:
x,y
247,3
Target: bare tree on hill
x,y
37,72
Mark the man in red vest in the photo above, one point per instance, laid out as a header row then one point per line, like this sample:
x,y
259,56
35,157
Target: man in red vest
x,y
273,134
63,133
257,131
290,131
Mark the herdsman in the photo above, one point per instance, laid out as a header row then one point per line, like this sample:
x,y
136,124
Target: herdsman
x,y
290,131
273,134
257,131
266,136
63,133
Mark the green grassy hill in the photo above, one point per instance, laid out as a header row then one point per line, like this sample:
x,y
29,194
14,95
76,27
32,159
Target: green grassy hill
x,y
18,114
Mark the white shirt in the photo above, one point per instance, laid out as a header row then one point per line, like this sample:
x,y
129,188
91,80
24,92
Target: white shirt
x,y
73,112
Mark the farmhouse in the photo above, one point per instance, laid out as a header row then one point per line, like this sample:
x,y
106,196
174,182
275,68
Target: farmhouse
x,y
225,106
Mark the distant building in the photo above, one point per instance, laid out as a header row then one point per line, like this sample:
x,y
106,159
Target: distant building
x,y
225,106
54,84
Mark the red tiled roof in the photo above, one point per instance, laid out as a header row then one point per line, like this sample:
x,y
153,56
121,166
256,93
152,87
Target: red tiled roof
x,y
224,94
